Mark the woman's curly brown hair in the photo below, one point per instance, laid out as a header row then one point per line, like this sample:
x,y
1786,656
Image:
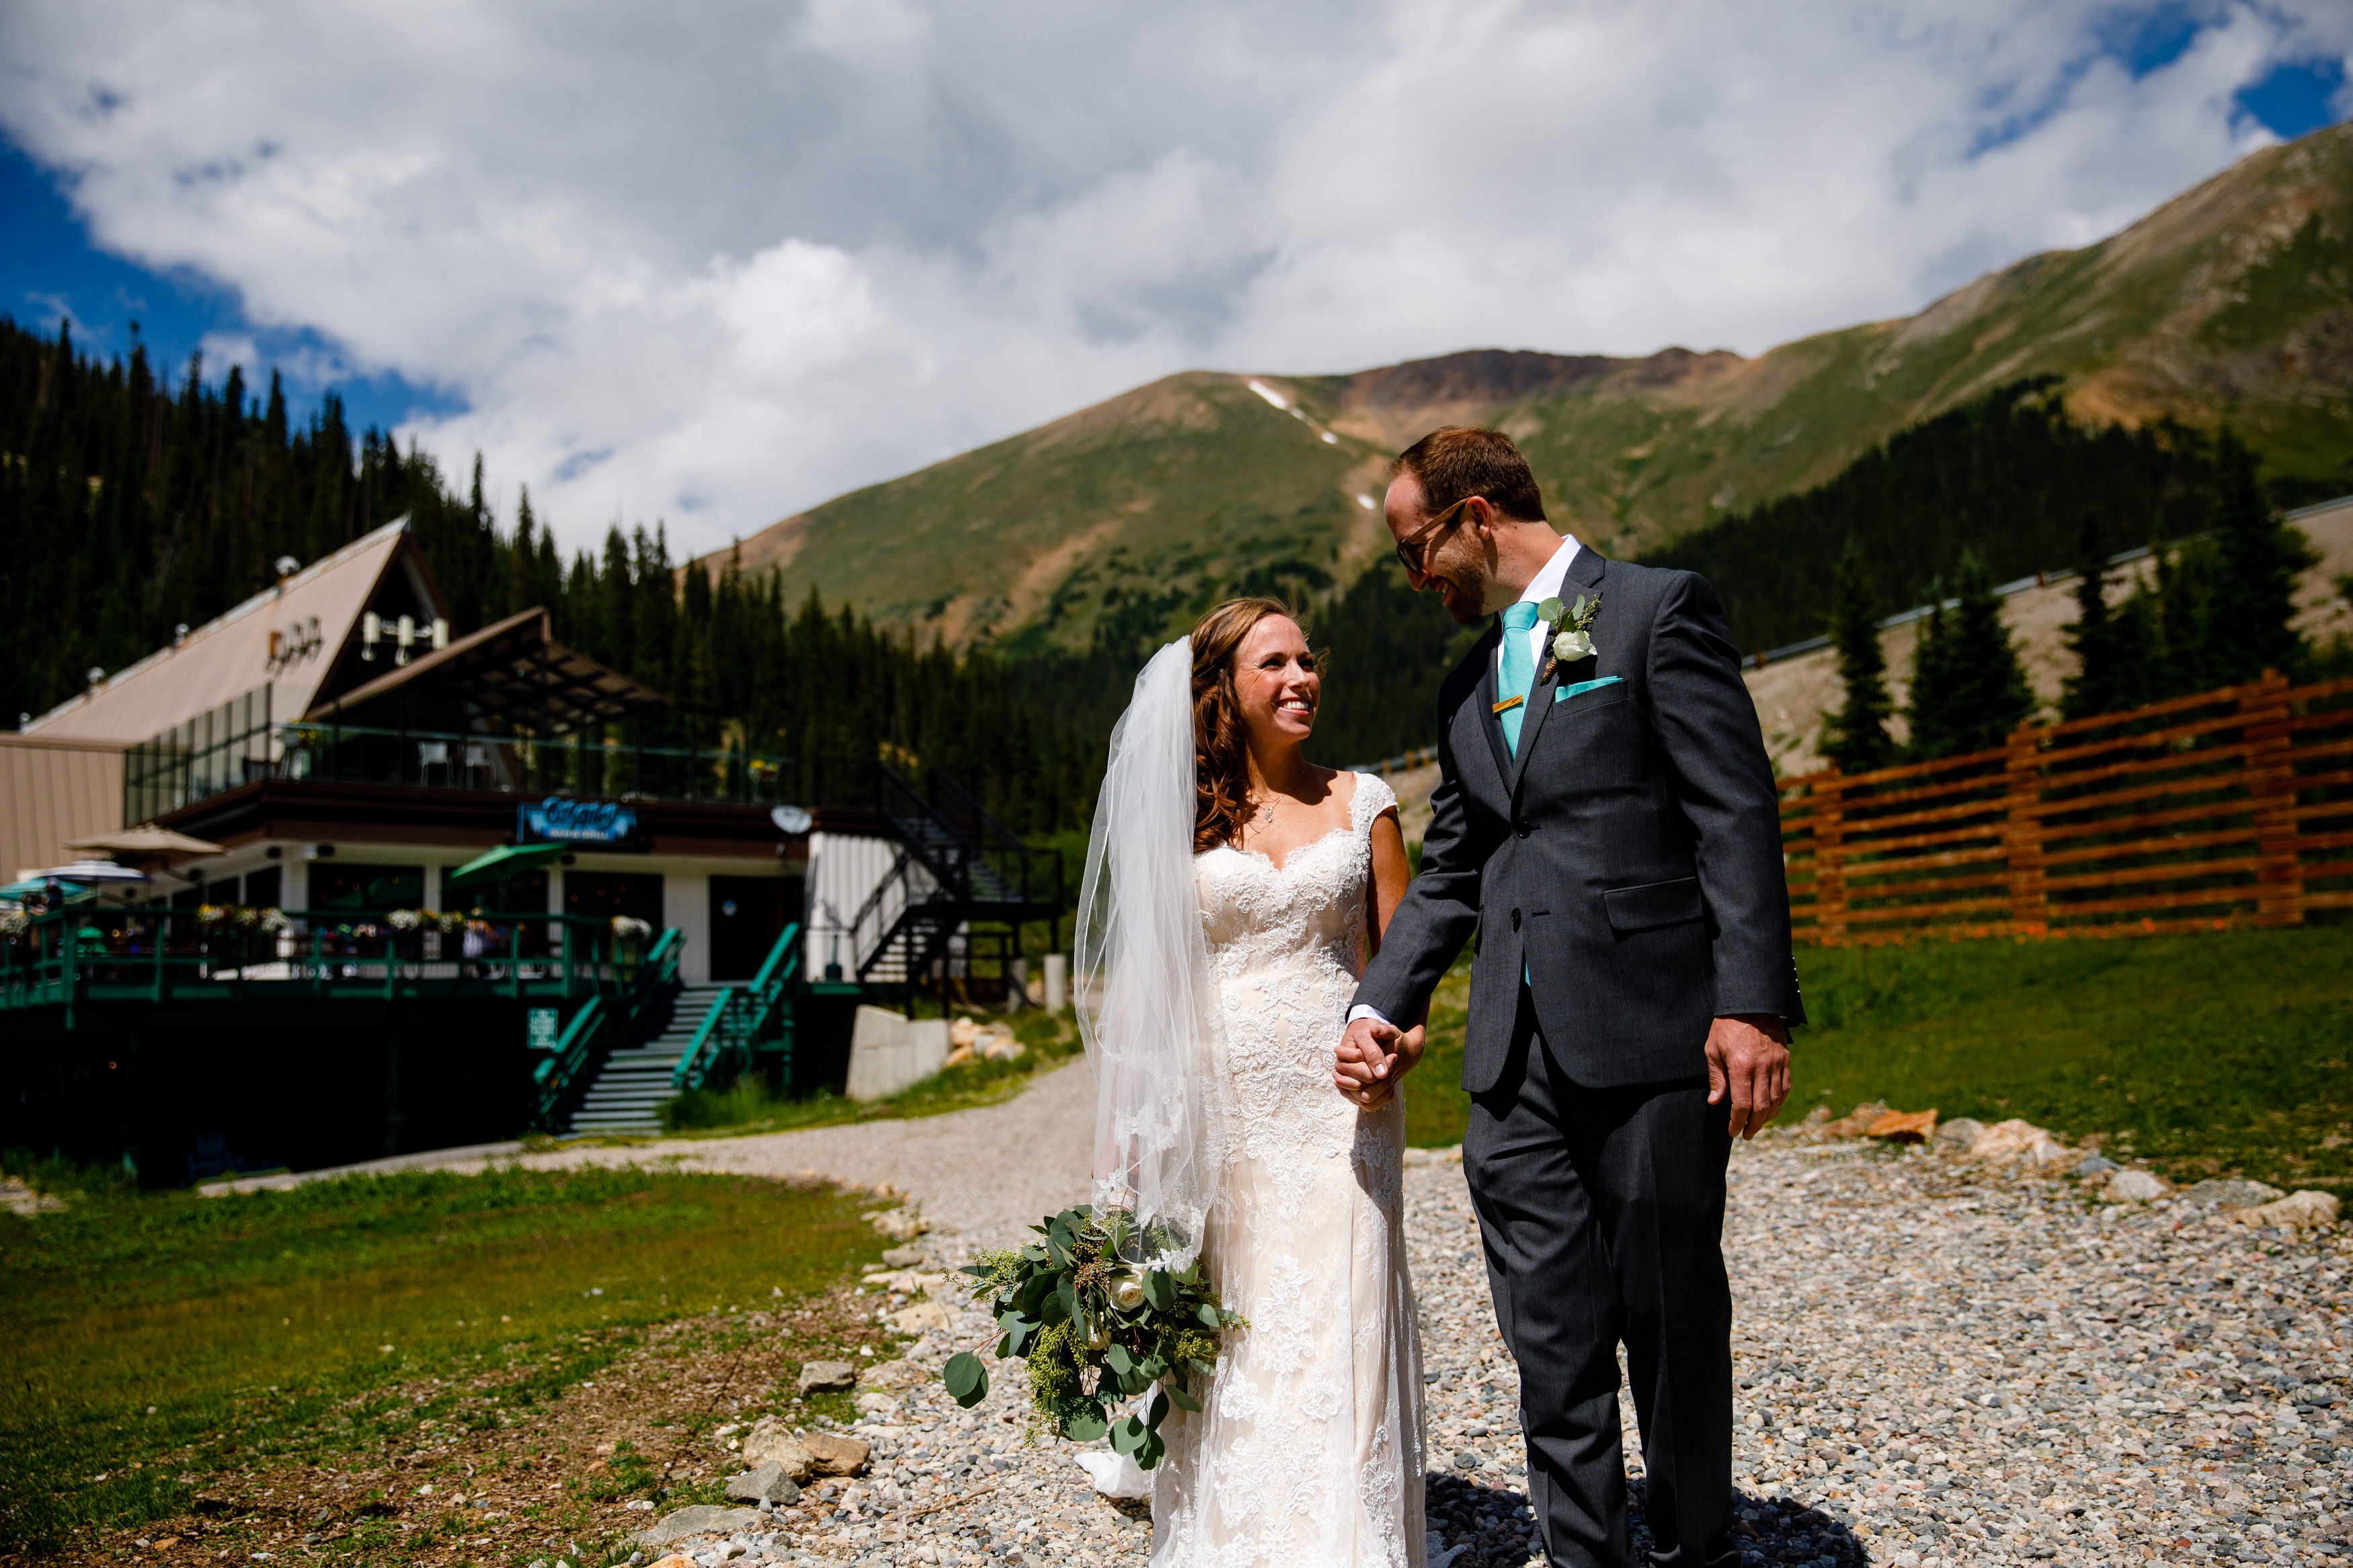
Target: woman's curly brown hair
x,y
1220,742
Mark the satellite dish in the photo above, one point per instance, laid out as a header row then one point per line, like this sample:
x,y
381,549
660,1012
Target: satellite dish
x,y
791,821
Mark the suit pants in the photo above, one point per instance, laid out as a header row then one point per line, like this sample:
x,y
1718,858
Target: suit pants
x,y
1603,1214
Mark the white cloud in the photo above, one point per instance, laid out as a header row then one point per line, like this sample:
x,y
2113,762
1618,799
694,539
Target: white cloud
x,y
722,263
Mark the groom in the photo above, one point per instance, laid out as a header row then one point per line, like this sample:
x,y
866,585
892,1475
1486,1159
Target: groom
x,y
1606,822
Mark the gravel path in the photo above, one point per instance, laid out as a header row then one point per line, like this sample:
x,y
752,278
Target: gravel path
x,y
1940,1363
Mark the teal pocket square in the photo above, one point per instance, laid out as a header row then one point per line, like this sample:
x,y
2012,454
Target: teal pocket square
x,y
1566,692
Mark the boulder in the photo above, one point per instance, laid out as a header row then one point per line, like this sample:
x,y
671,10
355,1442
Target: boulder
x,y
899,1224
1855,1123
2017,1140
1959,1135
772,1442
2298,1209
877,1404
836,1455
826,1377
700,1520
2092,1165
2228,1195
2137,1186
963,1033
1000,1045
764,1483
1904,1127
922,1318
1811,1125
904,1256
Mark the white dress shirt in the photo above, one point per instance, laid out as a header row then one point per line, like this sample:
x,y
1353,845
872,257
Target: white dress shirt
x,y
1546,584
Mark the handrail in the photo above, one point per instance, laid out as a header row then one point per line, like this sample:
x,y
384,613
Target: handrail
x,y
690,1071
553,1078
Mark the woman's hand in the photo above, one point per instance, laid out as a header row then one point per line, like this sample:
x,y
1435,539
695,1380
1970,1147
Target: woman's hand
x,y
1376,1084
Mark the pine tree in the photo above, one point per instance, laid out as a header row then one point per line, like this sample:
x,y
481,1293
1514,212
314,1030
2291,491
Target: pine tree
x,y
2095,687
1855,737
2250,626
1968,691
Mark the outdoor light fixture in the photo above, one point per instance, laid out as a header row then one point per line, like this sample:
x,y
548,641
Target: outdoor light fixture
x,y
288,566
371,634
96,675
440,633
406,630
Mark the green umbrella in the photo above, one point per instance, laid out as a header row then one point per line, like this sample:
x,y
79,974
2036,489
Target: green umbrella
x,y
506,860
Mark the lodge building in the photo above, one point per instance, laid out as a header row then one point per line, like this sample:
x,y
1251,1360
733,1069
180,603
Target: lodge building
x,y
404,889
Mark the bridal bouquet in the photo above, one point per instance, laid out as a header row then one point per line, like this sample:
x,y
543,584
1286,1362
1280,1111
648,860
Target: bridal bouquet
x,y
1095,1330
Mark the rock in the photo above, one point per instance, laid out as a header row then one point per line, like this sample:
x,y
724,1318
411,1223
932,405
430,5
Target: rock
x,y
1003,1048
963,1033
923,1317
2138,1186
1904,1127
957,1057
904,1256
764,1483
2097,1165
2016,1140
899,1224
676,1560
826,1377
896,1375
1813,1122
2227,1195
877,1404
772,1442
18,1198
2302,1208
1855,1123
1959,1135
836,1455
696,1520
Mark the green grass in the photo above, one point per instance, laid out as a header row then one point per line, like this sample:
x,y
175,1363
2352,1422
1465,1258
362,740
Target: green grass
x,y
153,1340
748,1106
2224,1053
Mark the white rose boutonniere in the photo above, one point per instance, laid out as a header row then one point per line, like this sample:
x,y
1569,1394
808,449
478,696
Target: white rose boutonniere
x,y
1572,628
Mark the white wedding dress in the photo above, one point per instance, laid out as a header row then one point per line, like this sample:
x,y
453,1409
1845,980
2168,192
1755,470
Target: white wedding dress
x,y
1307,1452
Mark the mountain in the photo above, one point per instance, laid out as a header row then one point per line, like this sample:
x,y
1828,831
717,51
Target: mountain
x,y
2233,303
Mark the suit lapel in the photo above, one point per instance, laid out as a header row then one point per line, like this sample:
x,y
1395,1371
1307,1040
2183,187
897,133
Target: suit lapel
x,y
1490,722
1586,569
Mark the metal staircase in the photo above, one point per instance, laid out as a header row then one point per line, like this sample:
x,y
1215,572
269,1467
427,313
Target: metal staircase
x,y
959,890
634,1082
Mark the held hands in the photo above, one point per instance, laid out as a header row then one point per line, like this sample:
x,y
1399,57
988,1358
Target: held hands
x,y
1748,1063
1373,1057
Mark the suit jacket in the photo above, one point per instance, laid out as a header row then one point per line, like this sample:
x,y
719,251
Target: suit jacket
x,y
1629,858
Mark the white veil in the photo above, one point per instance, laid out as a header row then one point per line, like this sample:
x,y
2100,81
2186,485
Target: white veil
x,y
1141,980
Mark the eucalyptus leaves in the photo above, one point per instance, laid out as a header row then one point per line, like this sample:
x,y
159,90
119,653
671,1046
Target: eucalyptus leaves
x,y
1096,1330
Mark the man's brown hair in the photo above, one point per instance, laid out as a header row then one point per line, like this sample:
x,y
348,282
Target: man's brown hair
x,y
1457,460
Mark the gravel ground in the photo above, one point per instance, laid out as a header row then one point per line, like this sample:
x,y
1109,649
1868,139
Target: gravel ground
x,y
1938,1362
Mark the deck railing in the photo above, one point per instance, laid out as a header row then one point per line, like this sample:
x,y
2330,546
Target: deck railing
x,y
2232,806
85,952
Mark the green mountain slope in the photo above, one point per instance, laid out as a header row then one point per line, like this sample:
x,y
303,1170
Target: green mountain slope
x,y
2233,303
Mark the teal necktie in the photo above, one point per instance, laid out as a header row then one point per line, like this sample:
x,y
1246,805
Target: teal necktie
x,y
1519,669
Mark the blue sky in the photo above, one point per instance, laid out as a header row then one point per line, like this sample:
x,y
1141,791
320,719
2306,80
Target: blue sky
x,y
720,275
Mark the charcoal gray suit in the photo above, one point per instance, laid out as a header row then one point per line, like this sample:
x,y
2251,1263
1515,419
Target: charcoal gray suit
x,y
1628,865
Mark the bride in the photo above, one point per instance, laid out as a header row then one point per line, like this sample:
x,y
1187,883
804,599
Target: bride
x,y
1233,891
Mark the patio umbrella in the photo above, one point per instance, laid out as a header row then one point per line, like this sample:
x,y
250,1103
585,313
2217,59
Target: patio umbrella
x,y
506,860
89,874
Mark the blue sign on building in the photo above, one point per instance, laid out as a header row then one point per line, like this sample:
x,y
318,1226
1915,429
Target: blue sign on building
x,y
560,820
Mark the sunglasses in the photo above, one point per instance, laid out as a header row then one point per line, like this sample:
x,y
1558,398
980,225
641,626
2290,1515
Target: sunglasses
x,y
1411,551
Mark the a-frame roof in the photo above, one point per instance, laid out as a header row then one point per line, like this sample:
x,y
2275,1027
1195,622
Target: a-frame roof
x,y
313,615
512,670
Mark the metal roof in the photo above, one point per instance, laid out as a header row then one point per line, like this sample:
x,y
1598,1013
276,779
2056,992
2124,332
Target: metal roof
x,y
314,614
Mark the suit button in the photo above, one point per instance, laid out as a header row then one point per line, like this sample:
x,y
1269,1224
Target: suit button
x,y
1515,919
1523,830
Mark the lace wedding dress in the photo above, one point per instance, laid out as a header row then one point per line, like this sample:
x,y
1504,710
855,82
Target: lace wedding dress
x,y
1307,1452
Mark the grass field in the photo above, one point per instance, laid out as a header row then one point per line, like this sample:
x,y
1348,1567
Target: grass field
x,y
153,1344
2224,1053
746,1106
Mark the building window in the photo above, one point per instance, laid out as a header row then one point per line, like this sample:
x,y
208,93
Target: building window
x,y
525,894
601,895
340,885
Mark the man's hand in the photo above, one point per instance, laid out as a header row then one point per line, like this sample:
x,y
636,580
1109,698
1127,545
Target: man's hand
x,y
1373,1057
1748,1062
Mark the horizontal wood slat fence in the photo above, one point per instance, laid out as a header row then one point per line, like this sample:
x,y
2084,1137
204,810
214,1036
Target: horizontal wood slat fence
x,y
2231,808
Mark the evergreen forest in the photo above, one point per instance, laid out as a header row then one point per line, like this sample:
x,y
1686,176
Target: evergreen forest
x,y
133,502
